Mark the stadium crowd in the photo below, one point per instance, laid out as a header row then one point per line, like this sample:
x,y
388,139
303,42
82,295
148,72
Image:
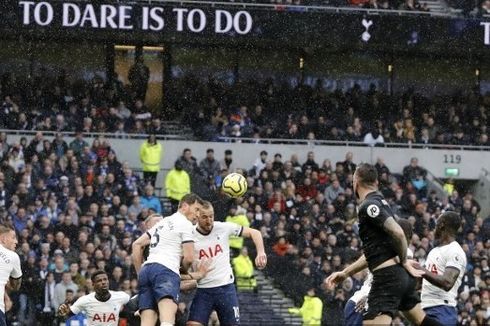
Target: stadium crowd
x,y
76,209
246,109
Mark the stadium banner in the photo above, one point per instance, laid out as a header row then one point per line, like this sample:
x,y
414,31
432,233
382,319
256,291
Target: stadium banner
x,y
281,26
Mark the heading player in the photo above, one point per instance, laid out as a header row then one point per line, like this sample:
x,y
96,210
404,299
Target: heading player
x,y
444,270
216,291
385,253
101,307
171,241
357,304
10,270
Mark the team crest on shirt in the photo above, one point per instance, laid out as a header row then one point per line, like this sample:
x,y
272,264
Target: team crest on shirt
x,y
373,210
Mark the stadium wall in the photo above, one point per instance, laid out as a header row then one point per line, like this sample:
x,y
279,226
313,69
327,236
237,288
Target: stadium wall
x,y
466,164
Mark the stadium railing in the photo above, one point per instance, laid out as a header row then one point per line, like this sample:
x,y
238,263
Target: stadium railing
x,y
254,140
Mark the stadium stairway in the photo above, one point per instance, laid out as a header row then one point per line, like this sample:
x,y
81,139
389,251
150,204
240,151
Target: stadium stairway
x,y
268,306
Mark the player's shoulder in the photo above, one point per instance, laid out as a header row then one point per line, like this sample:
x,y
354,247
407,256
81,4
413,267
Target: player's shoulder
x,y
120,296
455,247
371,207
88,298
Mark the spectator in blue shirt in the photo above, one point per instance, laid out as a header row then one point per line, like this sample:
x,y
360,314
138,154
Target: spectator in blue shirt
x,y
150,201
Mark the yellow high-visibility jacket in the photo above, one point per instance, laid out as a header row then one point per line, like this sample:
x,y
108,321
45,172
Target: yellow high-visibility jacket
x,y
150,156
177,184
244,273
237,242
311,311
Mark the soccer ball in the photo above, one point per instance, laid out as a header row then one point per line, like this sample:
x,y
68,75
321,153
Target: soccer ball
x,y
234,185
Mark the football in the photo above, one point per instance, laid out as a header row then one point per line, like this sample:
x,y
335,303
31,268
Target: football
x,y
234,185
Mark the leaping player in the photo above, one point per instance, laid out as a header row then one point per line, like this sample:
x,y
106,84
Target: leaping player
x,y
444,270
101,307
216,291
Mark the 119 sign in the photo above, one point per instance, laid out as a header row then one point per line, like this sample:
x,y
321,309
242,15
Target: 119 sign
x,y
452,159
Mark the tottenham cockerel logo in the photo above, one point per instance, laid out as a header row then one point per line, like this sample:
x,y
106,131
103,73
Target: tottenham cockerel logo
x,y
366,23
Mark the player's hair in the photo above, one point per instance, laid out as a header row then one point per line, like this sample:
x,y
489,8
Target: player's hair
x,y
452,221
190,199
206,204
97,273
5,229
407,228
367,174
149,217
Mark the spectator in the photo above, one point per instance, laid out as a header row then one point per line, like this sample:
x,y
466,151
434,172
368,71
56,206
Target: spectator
x,y
150,157
177,184
227,161
244,271
150,201
209,166
259,164
61,288
333,191
311,310
138,76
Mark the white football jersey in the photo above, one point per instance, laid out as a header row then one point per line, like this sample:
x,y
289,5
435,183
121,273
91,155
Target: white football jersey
x,y
439,258
9,267
167,238
101,313
215,246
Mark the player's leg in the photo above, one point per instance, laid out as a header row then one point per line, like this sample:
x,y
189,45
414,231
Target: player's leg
x,y
146,300
379,320
201,307
226,306
167,309
410,305
351,317
417,316
166,289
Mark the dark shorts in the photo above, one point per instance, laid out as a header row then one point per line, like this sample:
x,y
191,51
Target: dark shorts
x,y
223,299
3,320
445,315
157,282
351,317
393,290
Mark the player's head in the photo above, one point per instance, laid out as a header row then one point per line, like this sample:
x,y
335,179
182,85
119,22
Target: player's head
x,y
407,229
448,223
190,205
100,281
205,219
152,219
8,238
366,176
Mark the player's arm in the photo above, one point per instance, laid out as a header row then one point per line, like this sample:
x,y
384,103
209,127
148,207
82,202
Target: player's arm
x,y
396,233
261,259
188,255
65,311
138,247
14,284
445,281
15,279
337,277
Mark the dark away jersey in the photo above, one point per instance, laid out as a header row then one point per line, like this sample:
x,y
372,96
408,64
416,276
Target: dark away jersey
x,y
376,243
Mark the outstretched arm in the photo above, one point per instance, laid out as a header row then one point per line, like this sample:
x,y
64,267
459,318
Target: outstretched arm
x,y
138,247
261,259
337,277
